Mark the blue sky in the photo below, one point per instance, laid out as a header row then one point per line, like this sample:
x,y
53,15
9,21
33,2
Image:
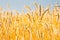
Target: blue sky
x,y
19,4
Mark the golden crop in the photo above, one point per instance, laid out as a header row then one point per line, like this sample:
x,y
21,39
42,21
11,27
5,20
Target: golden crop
x,y
39,24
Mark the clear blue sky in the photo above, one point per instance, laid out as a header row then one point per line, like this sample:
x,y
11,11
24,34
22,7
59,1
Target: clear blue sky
x,y
19,4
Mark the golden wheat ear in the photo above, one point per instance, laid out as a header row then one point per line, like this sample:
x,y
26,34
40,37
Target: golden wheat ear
x,y
27,7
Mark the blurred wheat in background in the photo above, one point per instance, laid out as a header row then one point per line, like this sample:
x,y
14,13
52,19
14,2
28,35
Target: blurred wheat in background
x,y
38,24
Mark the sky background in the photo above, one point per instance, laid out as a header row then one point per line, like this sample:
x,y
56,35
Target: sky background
x,y
19,4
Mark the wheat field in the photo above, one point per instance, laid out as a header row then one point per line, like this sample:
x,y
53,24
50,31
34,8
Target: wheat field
x,y
38,24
